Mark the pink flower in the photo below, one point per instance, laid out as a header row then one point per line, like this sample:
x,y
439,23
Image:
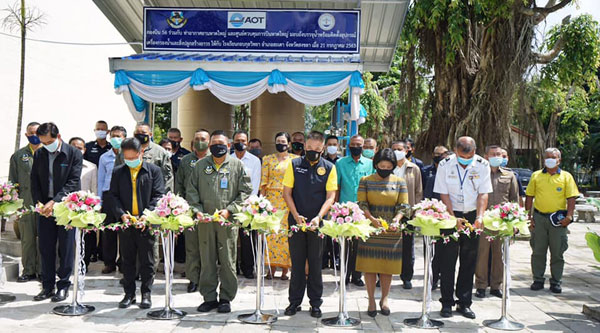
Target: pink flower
x,y
348,219
6,197
340,220
73,197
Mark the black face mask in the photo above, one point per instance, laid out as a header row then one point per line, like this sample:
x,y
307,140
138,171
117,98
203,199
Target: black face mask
x,y
239,146
297,146
356,151
142,138
174,144
437,159
384,173
312,155
408,153
218,150
256,151
281,147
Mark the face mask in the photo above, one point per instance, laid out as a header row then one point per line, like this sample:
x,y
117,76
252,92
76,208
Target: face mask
x,y
174,144
281,147
496,161
133,163
437,159
101,134
368,153
201,146
384,173
256,151
312,155
297,146
408,153
331,150
550,163
170,154
116,142
52,147
464,161
239,146
34,140
400,155
142,138
218,150
504,162
356,151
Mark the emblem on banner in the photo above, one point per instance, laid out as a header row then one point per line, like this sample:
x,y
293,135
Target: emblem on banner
x,y
176,20
326,22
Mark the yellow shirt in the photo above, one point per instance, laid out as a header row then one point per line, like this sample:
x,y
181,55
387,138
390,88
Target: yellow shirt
x,y
551,191
288,178
134,204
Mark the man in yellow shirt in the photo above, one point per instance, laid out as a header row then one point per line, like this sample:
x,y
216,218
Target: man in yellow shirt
x,y
552,192
310,184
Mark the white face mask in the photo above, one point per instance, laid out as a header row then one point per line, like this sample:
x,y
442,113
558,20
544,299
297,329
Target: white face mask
x,y
331,150
101,134
400,155
550,163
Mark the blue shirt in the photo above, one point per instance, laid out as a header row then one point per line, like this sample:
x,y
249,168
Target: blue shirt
x,y
349,173
105,168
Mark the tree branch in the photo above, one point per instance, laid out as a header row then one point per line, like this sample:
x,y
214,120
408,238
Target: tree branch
x,y
544,58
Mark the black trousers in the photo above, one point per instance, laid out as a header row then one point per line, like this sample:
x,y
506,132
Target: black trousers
x,y
435,262
331,253
109,247
303,246
351,251
179,254
247,252
408,255
136,244
91,246
465,248
48,234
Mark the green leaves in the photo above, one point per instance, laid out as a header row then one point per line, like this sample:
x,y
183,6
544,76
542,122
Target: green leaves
x,y
593,242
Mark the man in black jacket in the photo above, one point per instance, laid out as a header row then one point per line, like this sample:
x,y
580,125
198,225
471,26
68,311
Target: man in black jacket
x,y
55,172
135,186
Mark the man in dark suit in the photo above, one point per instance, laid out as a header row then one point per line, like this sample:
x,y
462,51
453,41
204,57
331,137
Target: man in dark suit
x,y
55,172
135,186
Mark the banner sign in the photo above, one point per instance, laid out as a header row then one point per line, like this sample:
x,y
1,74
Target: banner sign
x,y
251,30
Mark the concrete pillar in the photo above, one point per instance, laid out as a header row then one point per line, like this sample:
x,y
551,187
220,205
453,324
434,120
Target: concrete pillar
x,y
201,109
272,113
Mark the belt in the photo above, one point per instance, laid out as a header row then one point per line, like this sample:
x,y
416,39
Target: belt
x,y
543,214
465,213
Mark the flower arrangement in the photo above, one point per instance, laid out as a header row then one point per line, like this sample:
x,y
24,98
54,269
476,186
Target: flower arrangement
x,y
79,209
257,213
172,213
9,199
347,221
504,219
431,216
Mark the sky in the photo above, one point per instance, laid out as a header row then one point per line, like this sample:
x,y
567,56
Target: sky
x,y
71,85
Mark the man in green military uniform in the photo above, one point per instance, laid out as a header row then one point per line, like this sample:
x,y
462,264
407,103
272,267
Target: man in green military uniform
x,y
218,183
19,173
186,166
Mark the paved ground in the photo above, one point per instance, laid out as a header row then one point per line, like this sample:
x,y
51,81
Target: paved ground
x,y
539,311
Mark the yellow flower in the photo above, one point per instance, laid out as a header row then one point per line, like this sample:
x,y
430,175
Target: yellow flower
x,y
384,224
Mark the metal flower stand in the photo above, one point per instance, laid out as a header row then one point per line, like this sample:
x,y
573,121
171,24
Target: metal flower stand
x,y
424,321
4,298
504,323
258,317
342,319
75,309
167,312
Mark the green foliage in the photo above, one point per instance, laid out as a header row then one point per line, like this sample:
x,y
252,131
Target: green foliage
x,y
593,242
162,121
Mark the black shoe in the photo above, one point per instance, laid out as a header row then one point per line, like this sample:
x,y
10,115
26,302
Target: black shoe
x,y
249,275
292,309
108,269
378,284
407,285
384,311
315,312
480,293
192,287
208,306
465,311
496,292
127,301
537,285
44,294
224,306
146,302
27,277
358,283
183,275
93,258
446,311
61,295
372,314
555,288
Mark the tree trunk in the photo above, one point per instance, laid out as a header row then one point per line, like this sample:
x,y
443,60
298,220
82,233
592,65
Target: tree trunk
x,y
22,80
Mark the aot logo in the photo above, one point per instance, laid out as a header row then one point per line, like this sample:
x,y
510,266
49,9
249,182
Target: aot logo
x,y
326,21
246,20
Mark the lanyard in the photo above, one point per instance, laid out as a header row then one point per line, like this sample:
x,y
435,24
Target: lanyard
x,y
461,179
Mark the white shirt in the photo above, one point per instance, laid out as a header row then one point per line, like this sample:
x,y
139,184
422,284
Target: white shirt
x,y
89,177
463,185
252,166
400,171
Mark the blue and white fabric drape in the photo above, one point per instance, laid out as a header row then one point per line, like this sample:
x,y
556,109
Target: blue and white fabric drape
x,y
311,88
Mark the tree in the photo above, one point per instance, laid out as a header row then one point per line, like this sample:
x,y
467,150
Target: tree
x,y
23,19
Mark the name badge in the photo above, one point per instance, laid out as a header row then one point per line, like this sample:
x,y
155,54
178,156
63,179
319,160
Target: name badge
x,y
224,182
461,198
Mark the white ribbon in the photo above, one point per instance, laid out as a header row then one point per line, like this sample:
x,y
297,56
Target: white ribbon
x,y
82,266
